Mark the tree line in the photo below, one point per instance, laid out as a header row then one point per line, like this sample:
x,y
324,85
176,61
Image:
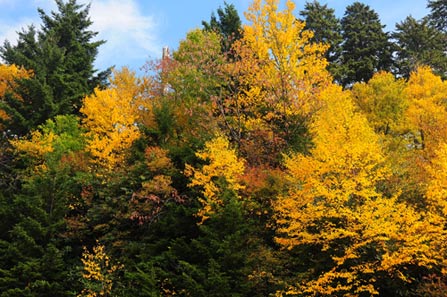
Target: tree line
x,y
294,155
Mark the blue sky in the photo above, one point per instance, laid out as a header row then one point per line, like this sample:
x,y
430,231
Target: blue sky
x,y
137,30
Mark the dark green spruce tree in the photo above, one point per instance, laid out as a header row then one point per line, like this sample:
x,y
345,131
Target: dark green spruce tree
x,y
419,43
36,257
366,47
62,56
227,24
438,14
321,20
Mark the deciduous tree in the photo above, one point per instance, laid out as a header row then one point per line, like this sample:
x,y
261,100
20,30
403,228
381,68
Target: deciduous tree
x,y
382,101
334,207
111,118
223,172
276,79
9,77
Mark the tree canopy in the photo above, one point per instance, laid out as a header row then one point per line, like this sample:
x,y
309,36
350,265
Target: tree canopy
x,y
275,156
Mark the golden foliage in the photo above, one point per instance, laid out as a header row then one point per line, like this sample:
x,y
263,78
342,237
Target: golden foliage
x,y
157,159
8,76
333,204
223,163
98,272
37,146
290,67
156,191
382,101
426,119
111,117
58,139
437,185
426,114
279,73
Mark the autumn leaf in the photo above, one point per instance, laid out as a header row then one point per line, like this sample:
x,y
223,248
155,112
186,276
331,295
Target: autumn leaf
x,y
223,163
111,118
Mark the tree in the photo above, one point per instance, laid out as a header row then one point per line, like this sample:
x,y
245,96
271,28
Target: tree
x,y
35,259
228,25
223,172
98,272
438,13
425,119
183,112
61,56
419,43
9,77
326,27
274,82
111,118
426,111
381,100
359,240
366,48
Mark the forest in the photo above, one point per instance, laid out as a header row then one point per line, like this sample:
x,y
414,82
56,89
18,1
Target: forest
x,y
285,153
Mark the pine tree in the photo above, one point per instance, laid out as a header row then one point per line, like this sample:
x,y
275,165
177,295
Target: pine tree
x,y
366,48
326,27
419,44
61,56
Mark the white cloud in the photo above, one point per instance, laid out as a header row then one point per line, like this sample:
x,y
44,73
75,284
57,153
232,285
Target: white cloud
x,y
9,31
131,37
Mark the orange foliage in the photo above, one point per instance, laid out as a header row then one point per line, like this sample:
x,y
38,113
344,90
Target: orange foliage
x,y
148,202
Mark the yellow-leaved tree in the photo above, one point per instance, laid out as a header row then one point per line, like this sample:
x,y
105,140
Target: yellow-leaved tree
x,y
110,117
428,116
382,101
274,80
289,67
426,123
437,185
426,113
359,237
223,171
98,272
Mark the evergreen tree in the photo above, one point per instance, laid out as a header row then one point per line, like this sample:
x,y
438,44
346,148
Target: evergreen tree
x,y
326,27
228,25
419,44
366,47
61,56
438,14
36,258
